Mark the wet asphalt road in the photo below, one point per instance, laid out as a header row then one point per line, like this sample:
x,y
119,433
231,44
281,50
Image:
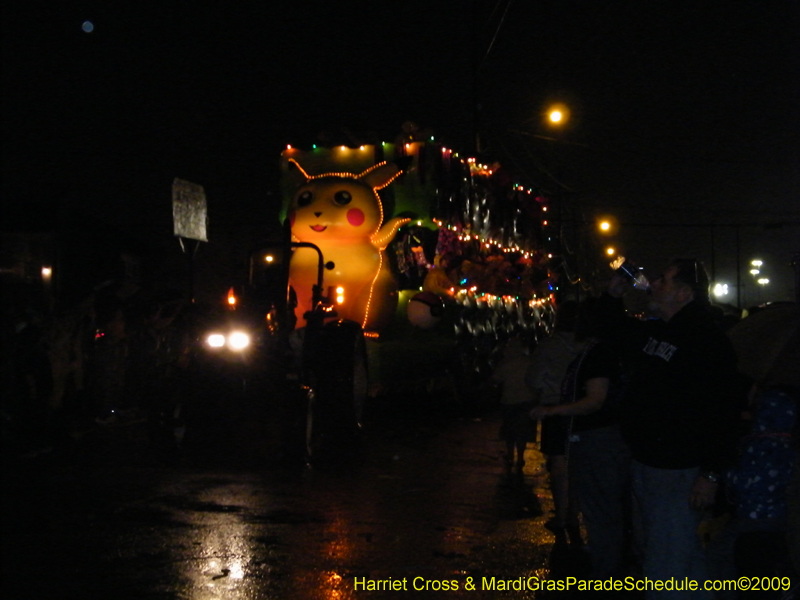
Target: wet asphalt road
x,y
424,495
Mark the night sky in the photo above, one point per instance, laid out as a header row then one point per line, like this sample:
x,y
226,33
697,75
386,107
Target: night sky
x,y
683,114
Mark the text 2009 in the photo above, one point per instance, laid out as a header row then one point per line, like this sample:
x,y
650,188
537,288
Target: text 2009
x,y
763,584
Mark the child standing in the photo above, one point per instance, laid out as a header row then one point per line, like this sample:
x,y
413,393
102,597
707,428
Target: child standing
x,y
517,400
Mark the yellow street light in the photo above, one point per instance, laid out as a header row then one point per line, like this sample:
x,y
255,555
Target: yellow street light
x,y
611,251
558,114
607,224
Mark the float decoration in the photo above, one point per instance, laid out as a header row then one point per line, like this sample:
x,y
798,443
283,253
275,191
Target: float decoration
x,y
342,214
459,207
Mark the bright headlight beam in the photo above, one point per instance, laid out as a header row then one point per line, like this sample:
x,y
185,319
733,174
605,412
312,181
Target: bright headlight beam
x,y
216,340
238,340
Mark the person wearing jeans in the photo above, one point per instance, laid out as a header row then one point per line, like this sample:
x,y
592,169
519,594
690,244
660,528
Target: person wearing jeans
x,y
678,416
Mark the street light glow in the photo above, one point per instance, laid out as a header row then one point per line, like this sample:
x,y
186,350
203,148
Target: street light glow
x,y
763,281
558,114
756,263
754,271
607,224
610,251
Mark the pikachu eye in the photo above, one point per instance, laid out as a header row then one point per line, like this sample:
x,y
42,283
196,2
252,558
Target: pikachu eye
x,y
305,199
342,198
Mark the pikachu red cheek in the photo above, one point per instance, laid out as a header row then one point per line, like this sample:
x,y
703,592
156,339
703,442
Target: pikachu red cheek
x,y
355,216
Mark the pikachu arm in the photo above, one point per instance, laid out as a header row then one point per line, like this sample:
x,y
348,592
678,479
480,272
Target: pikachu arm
x,y
385,234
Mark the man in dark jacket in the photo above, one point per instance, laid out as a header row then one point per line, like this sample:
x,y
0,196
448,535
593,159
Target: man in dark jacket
x,y
678,419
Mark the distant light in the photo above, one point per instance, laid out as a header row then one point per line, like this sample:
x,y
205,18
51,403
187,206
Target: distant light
x,y
610,251
46,271
269,258
756,263
763,281
419,223
87,26
721,289
605,225
754,271
556,116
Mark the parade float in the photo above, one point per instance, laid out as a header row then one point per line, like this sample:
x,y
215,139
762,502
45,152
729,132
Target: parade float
x,y
435,256
402,268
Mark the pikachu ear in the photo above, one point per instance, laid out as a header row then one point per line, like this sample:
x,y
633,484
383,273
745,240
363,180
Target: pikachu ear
x,y
299,168
381,175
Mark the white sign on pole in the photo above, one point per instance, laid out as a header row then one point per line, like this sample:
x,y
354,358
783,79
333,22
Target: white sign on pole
x,y
189,211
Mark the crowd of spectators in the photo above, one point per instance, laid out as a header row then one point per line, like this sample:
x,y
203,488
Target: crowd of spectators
x,y
679,465
97,364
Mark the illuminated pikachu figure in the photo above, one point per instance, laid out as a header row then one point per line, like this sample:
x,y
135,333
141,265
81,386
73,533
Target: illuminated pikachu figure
x,y
341,213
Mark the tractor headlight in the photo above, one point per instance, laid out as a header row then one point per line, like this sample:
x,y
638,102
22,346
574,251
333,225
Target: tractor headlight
x,y
236,341
216,340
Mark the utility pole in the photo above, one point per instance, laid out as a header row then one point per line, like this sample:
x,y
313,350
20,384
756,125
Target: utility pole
x,y
738,270
713,257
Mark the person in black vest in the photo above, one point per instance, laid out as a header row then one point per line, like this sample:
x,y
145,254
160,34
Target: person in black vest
x,y
678,417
